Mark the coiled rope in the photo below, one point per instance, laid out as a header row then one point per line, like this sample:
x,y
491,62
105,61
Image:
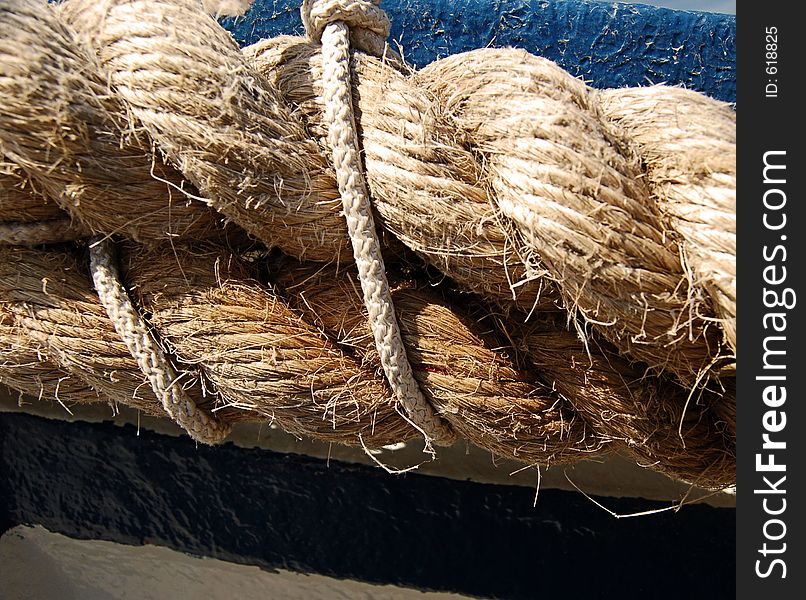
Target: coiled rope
x,y
595,231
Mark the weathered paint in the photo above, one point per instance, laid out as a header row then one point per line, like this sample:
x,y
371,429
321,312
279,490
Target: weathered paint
x,y
98,481
607,44
102,570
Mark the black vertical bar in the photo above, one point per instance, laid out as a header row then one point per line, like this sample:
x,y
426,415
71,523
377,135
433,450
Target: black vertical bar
x,y
771,419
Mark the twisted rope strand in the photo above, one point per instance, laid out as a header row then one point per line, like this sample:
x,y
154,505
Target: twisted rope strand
x,y
133,331
42,232
47,297
514,179
72,137
692,170
263,361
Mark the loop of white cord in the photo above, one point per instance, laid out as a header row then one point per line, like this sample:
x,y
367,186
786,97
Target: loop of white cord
x,y
134,332
343,141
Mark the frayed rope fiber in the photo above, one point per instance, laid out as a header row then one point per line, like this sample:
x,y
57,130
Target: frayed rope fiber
x,y
315,234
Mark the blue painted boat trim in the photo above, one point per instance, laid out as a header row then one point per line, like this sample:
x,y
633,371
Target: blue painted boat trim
x,y
607,44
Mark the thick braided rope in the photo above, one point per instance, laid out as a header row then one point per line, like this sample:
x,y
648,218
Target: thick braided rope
x,y
26,217
619,403
52,313
581,216
599,207
450,154
343,141
427,188
20,201
25,365
261,359
150,358
98,158
697,188
183,80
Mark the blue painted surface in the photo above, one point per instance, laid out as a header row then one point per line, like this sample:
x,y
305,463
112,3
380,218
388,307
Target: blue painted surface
x,y
608,44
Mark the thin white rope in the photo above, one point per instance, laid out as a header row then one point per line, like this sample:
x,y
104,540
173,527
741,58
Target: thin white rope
x,y
333,16
134,332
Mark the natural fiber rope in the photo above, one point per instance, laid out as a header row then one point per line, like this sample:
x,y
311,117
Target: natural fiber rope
x,y
259,358
26,217
498,168
697,190
581,211
43,232
98,157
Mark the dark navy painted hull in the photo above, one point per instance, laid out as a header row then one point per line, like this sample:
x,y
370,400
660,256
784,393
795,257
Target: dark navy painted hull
x,y
100,481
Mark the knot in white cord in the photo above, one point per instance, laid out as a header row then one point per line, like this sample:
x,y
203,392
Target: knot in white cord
x,y
369,26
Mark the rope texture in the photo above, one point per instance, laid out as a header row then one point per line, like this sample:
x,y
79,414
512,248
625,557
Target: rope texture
x,y
343,140
595,231
150,358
